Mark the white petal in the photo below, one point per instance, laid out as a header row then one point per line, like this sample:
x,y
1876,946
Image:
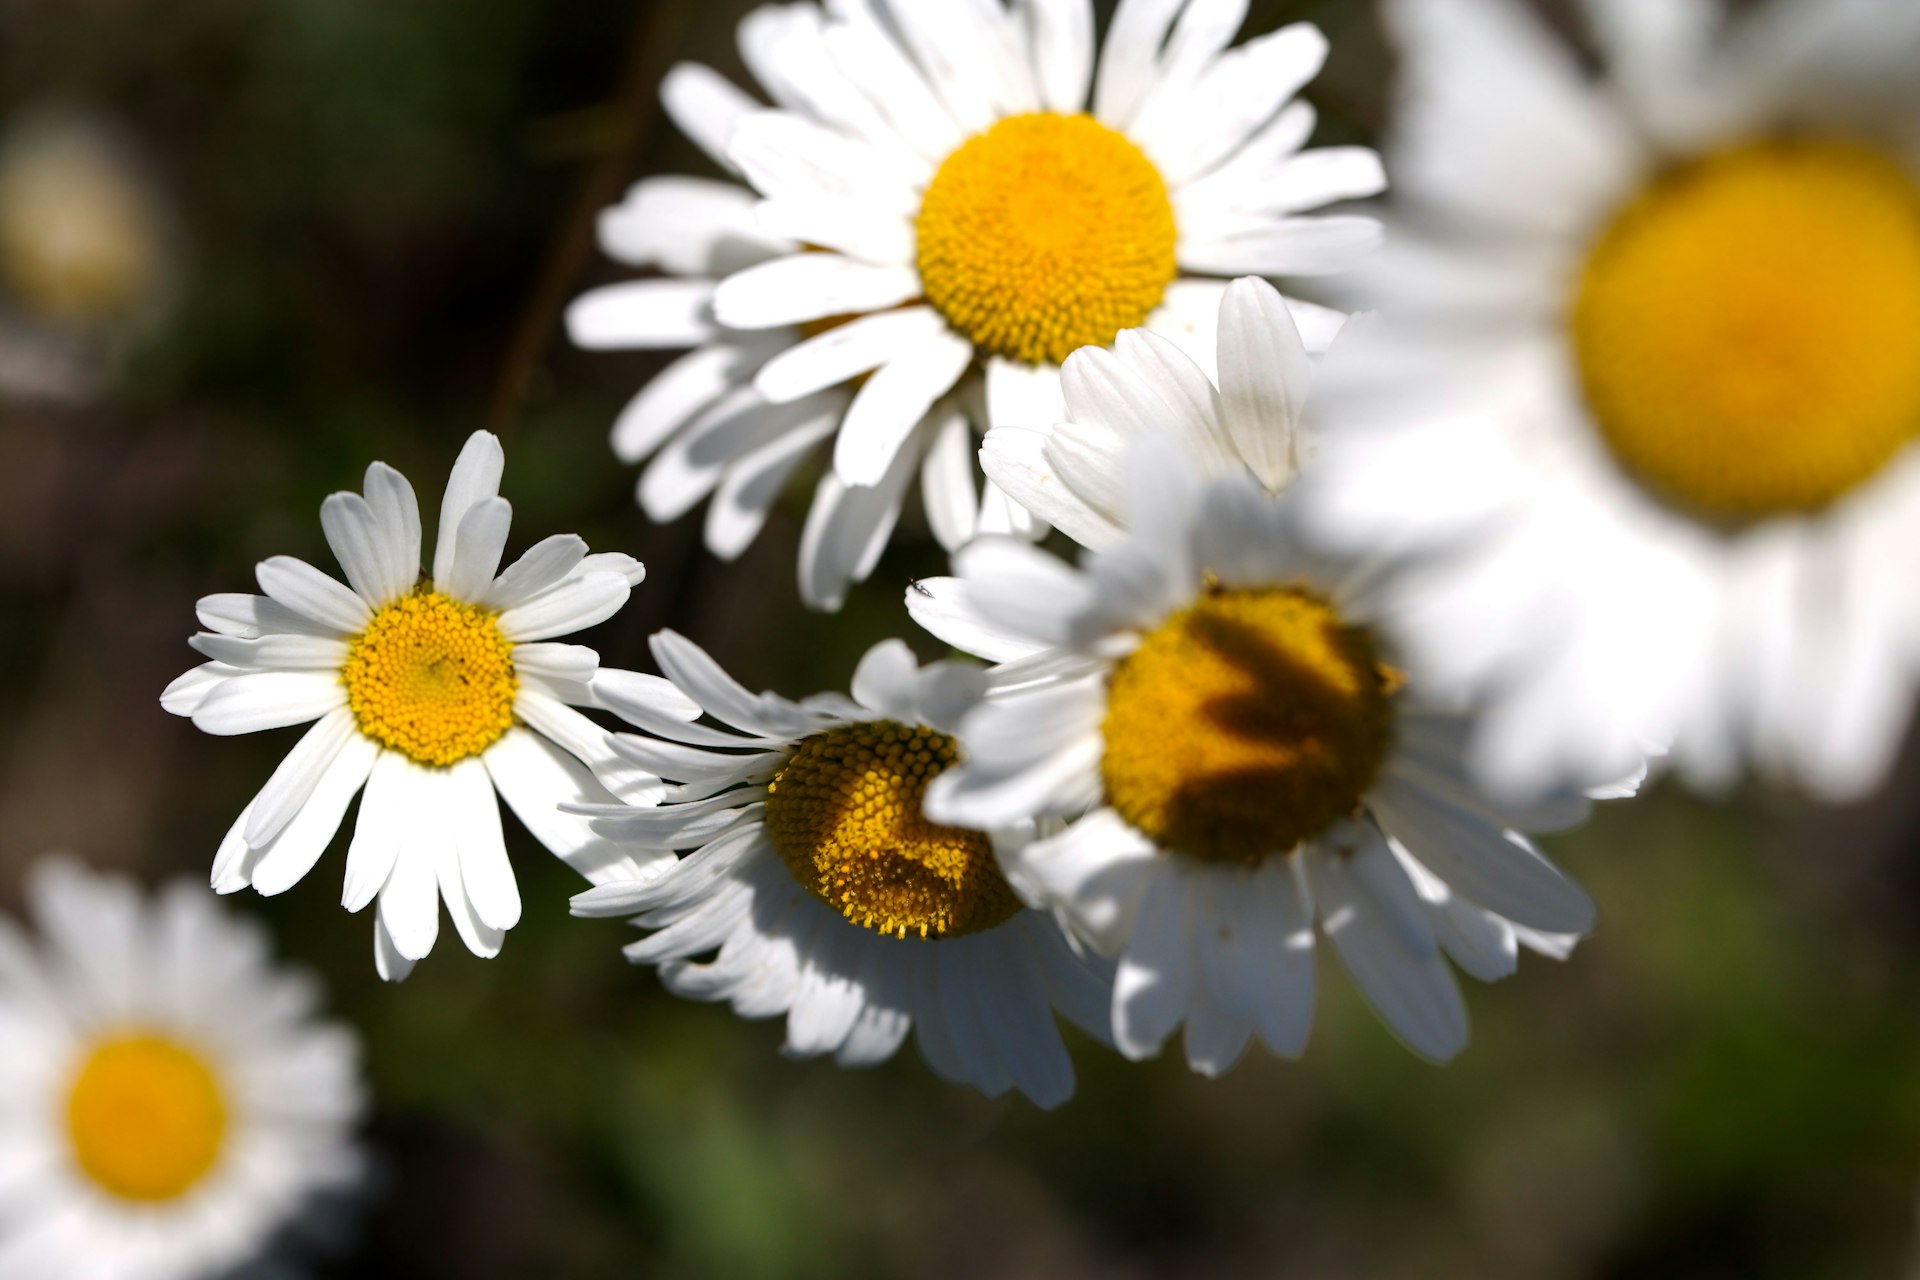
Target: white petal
x,y
387,960
642,314
477,547
297,775
810,286
475,478
1151,987
282,862
274,652
687,227
944,607
485,872
893,402
678,392
544,566
313,595
269,700
1263,378
705,106
575,605
1284,246
845,351
1061,33
380,829
410,899
947,491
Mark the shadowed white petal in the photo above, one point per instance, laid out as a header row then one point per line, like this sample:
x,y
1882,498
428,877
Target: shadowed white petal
x,y
248,617
545,564
269,700
485,872
705,106
1152,984
687,227
1263,378
576,604
944,608
380,828
1284,246
478,544
845,351
297,775
689,385
948,493
387,960
1061,33
275,652
642,315
281,862
475,479
313,595
810,286
185,692
891,403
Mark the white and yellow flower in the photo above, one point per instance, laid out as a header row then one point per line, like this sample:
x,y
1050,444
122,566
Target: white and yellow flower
x,y
821,891
944,201
1647,401
1210,706
432,693
173,1105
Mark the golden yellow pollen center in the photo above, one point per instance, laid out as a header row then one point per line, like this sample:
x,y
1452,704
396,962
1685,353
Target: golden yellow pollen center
x,y
432,678
844,814
1044,234
146,1116
1244,724
1748,328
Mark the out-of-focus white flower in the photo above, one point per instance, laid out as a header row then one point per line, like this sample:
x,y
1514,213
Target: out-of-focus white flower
x,y
172,1102
1645,404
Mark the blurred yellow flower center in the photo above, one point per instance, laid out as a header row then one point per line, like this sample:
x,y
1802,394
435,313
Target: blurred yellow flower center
x,y
1748,328
1044,234
844,813
146,1117
1244,724
432,679
78,244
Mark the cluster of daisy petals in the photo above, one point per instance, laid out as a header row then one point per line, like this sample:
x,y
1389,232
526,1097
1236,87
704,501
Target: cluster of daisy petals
x,y
1621,469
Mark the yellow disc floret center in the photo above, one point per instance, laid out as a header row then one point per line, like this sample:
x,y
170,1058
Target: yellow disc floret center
x,y
844,814
146,1117
1748,328
432,678
1244,724
1044,234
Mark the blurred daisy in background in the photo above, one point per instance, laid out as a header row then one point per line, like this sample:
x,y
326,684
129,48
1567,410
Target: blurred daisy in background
x,y
1209,705
1648,393
820,889
432,693
86,253
174,1107
946,200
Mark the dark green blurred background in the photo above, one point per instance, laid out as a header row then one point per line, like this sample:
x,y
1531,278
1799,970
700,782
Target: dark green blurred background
x,y
378,211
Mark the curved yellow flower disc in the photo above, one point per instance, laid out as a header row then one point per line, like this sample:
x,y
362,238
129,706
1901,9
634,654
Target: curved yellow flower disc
x,y
146,1117
432,678
1748,328
1044,234
844,814
1244,724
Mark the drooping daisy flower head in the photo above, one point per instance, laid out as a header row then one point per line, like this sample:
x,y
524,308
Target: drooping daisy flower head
x,y
1212,708
944,202
1649,393
1248,418
819,888
173,1104
431,692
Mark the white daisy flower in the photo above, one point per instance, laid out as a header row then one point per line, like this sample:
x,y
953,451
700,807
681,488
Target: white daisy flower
x,y
945,200
172,1102
823,891
1210,705
433,693
1073,474
1648,402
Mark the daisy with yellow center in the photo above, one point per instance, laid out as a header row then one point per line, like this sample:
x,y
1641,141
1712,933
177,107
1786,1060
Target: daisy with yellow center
x,y
1210,708
1649,393
151,1131
431,693
819,888
942,204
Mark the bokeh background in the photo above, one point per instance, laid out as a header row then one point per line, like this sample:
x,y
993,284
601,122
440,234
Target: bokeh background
x,y
365,220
